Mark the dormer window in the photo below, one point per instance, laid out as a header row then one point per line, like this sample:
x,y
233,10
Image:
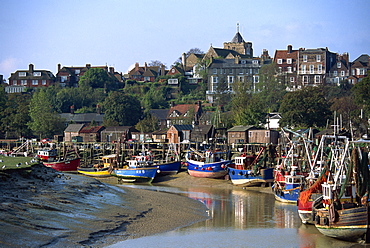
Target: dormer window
x,y
77,72
339,65
255,61
37,74
22,74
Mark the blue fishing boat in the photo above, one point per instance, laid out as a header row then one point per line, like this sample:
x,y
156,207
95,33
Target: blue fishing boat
x,y
210,165
248,170
171,164
288,191
140,169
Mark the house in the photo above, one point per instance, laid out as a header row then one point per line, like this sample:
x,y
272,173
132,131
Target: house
x,y
91,133
73,130
146,73
239,134
286,61
32,78
117,133
360,68
179,134
159,136
161,115
83,118
202,133
68,76
263,136
272,121
340,71
234,62
184,114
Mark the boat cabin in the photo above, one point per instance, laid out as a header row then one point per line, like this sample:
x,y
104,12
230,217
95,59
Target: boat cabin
x,y
47,154
244,162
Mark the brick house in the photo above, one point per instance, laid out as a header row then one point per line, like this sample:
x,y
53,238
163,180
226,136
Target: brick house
x,y
32,78
286,61
184,114
146,73
359,68
69,76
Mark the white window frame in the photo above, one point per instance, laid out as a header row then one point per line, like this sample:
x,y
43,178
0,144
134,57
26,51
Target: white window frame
x,y
15,82
303,69
291,79
289,69
318,58
335,73
214,71
339,65
342,73
317,79
312,69
43,82
304,58
289,61
23,82
280,61
22,74
319,68
37,73
35,82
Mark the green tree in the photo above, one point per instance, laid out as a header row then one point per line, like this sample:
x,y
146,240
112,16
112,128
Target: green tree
x,y
45,121
361,94
148,124
304,108
155,98
99,78
121,108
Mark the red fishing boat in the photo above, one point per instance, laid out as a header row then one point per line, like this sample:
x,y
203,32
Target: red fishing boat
x,y
67,163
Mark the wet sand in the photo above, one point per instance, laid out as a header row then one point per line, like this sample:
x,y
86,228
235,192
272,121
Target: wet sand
x,y
41,207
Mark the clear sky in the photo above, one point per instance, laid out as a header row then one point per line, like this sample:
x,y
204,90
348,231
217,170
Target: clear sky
x,y
120,32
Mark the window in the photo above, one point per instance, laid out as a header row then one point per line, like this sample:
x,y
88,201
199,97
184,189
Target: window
x,y
279,61
23,82
304,58
22,74
15,82
353,72
173,81
35,82
256,79
319,68
230,79
361,71
318,58
312,69
37,74
221,70
288,61
289,69
240,71
241,79
317,79
305,79
243,62
77,72
303,69
335,73
63,79
291,79
267,134
255,61
214,70
342,73
43,82
230,71
339,65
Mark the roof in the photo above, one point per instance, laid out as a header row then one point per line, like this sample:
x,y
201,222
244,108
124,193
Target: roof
x,y
74,127
84,118
183,127
160,114
241,128
118,128
237,38
91,129
182,109
202,129
364,58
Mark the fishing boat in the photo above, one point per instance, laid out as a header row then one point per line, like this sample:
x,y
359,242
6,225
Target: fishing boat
x,y
47,154
101,169
137,170
343,212
250,170
209,165
69,162
171,164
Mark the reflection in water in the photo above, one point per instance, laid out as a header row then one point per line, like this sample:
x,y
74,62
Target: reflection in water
x,y
240,218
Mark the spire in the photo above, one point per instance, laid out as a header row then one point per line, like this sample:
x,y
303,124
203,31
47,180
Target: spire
x,y
238,37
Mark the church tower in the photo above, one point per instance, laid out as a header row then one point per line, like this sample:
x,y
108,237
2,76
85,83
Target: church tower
x,y
239,45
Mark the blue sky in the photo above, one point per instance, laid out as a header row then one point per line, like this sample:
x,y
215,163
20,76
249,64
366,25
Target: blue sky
x,y
119,33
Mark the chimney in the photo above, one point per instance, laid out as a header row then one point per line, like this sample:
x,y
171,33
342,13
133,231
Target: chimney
x,y
111,70
72,109
136,66
88,66
172,104
146,66
183,60
290,48
162,70
30,68
98,109
59,67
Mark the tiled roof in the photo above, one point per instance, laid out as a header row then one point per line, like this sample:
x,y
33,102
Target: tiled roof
x,y
183,108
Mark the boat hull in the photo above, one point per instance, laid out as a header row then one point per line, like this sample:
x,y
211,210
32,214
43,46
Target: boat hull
x,y
169,168
208,170
136,175
246,178
287,196
69,165
93,172
350,224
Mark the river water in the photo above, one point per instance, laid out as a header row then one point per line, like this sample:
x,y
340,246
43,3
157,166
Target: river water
x,y
240,218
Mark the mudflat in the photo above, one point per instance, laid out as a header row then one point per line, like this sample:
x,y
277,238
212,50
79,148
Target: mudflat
x,y
42,207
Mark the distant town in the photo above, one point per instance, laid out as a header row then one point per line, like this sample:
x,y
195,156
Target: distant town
x,y
224,94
